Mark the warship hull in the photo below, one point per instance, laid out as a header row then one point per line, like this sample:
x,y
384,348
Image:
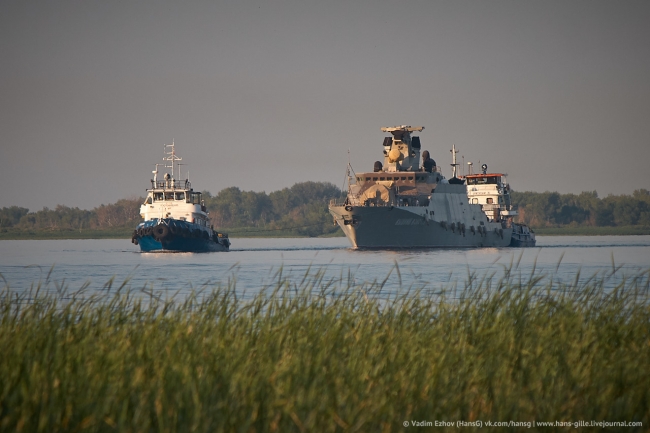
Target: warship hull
x,y
406,227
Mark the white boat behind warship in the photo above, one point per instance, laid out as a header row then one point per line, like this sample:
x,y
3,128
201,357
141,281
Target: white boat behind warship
x,y
175,216
401,204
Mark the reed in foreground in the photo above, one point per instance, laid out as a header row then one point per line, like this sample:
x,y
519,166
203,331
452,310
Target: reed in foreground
x,y
320,357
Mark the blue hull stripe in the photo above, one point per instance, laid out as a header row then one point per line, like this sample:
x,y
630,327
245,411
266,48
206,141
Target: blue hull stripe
x,y
183,237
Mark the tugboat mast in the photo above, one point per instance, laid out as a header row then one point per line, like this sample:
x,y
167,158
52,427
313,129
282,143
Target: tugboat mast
x,y
172,157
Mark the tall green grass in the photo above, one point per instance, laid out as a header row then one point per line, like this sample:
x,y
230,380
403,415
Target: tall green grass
x,y
325,356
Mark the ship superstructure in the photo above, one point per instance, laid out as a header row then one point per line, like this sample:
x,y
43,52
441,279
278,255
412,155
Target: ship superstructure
x,y
175,216
405,204
492,192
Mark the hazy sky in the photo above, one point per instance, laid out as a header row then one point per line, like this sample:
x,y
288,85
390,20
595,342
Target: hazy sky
x,y
264,94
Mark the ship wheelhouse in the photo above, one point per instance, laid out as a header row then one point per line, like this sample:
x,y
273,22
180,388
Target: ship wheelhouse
x,y
492,192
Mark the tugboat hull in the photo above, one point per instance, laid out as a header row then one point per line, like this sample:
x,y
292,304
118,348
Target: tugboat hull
x,y
169,235
522,236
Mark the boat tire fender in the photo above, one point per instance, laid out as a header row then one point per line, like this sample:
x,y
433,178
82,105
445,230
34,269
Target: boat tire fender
x,y
160,232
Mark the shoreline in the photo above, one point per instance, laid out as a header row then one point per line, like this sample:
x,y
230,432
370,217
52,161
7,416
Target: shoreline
x,y
9,234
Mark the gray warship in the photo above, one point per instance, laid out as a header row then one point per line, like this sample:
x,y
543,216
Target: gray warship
x,y
402,204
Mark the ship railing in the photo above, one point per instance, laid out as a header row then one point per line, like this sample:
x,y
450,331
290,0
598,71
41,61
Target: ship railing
x,y
170,184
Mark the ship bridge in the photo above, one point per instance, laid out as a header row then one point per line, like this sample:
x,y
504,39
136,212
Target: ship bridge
x,y
492,192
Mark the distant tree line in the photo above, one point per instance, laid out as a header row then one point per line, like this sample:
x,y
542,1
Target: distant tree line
x,y
123,213
302,210
299,210
551,209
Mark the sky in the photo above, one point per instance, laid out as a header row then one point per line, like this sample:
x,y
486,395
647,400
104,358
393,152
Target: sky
x,y
264,94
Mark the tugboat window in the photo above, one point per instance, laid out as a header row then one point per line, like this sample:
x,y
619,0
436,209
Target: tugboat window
x,y
158,196
169,196
180,196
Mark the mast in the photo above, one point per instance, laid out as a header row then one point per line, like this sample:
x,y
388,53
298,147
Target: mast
x,y
171,158
454,165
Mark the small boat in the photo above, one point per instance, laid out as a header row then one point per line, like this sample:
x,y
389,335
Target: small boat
x,y
522,236
175,216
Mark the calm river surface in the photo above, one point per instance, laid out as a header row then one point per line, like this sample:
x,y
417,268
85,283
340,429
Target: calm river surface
x,y
254,263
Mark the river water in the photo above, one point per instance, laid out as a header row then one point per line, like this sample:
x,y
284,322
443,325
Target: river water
x,y
255,263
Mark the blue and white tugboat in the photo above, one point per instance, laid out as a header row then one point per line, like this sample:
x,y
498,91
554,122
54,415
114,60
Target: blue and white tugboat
x,y
175,216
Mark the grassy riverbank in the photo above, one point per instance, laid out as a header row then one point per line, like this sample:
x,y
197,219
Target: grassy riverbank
x,y
323,356
593,231
21,234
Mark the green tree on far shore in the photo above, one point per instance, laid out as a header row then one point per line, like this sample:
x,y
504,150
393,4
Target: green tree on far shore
x,y
551,209
302,210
